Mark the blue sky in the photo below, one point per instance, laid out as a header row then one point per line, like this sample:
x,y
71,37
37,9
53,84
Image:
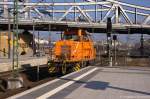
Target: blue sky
x,y
138,2
145,3
136,38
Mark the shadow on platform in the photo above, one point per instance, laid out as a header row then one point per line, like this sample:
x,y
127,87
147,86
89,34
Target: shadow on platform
x,y
99,85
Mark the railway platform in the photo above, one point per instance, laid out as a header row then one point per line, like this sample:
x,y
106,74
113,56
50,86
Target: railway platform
x,y
95,82
24,62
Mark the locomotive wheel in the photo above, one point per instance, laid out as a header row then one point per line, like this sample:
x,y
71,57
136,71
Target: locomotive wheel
x,y
51,68
77,67
64,68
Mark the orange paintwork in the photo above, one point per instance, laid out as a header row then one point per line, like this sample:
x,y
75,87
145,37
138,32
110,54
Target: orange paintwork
x,y
75,49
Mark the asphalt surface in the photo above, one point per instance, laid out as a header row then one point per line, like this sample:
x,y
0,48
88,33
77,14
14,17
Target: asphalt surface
x,y
95,83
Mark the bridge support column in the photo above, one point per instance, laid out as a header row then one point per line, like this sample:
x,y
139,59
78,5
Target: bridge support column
x,y
5,9
117,14
26,13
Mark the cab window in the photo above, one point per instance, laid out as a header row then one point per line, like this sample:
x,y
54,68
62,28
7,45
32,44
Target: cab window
x,y
85,37
71,37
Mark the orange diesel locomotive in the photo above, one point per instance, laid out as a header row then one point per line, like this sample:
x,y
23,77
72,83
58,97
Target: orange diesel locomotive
x,y
72,52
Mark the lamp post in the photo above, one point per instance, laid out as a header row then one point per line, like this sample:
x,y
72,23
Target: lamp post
x,y
15,81
15,39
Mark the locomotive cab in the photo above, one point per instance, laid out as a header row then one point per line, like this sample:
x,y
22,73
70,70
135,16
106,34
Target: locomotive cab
x,y
75,35
71,36
75,48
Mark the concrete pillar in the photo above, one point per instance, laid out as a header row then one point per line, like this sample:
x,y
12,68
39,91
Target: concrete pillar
x,y
5,9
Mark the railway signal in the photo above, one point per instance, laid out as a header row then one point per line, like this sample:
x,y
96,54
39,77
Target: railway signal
x,y
115,54
114,37
109,31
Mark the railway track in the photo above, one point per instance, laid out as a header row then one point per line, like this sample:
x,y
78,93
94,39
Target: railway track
x,y
30,79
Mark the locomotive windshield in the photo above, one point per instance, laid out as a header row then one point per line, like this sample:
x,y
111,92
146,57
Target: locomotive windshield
x,y
74,37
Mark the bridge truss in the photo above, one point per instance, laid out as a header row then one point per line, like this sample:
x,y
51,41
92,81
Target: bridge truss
x,y
87,14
